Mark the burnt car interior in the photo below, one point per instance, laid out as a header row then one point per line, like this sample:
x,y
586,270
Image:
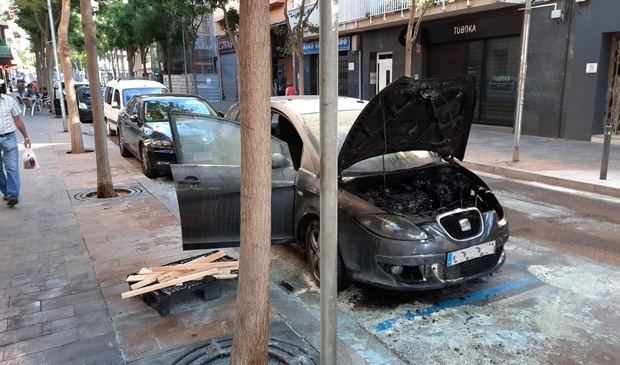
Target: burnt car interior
x,y
282,129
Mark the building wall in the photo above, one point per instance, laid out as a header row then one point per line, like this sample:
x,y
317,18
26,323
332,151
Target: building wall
x,y
373,42
592,27
544,87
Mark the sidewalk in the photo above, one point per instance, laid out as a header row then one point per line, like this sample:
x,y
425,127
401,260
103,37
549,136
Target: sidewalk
x,y
64,261
570,164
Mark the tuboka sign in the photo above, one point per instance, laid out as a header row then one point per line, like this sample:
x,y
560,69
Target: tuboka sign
x,y
492,24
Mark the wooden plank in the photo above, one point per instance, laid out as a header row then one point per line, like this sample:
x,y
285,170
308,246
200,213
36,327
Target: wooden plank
x,y
197,266
143,283
144,271
134,278
225,276
179,280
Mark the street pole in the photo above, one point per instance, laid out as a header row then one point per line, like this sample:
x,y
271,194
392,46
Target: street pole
x,y
525,36
606,150
328,237
54,46
185,61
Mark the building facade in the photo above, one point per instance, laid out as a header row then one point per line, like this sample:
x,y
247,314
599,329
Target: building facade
x,y
483,38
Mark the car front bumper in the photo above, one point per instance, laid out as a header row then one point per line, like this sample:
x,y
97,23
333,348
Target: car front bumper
x,y
369,257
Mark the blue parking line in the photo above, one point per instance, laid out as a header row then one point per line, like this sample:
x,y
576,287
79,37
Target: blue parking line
x,y
455,302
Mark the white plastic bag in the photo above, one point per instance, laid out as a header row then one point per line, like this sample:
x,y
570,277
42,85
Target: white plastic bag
x,y
30,159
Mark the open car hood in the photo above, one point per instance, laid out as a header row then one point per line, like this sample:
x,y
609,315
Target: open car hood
x,y
432,115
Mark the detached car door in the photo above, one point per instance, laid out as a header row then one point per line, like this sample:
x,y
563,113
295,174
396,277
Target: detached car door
x,y
208,182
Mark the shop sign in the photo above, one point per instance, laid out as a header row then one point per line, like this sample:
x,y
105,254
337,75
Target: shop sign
x,y
344,44
225,45
492,24
464,29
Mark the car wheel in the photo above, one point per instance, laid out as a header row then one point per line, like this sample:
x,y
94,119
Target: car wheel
x,y
121,145
147,167
111,131
313,255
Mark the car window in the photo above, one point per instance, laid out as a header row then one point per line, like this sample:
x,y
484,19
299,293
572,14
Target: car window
x,y
117,98
132,106
129,93
210,141
108,95
157,110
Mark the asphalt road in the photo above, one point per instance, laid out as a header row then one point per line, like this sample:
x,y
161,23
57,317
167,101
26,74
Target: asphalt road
x,y
556,300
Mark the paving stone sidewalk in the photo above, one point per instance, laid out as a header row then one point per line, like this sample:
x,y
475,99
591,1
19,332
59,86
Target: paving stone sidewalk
x,y
64,262
553,161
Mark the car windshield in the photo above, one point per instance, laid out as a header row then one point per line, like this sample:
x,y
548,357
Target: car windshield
x,y
157,110
129,93
393,161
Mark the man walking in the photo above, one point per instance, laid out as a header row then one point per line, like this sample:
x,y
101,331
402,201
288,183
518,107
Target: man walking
x,y
10,119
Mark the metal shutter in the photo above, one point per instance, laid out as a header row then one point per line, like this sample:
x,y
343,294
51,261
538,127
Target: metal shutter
x,y
228,64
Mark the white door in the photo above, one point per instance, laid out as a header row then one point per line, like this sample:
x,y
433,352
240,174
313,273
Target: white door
x,y
384,70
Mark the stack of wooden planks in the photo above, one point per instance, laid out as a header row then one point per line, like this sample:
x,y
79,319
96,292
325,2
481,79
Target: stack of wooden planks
x,y
155,278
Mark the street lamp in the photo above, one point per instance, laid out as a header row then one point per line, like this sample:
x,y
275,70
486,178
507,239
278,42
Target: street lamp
x,y
54,46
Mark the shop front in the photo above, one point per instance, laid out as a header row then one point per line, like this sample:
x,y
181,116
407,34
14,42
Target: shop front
x,y
486,46
311,66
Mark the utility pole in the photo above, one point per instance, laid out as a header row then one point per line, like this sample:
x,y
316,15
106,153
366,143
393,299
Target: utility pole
x,y
54,47
328,236
252,315
527,15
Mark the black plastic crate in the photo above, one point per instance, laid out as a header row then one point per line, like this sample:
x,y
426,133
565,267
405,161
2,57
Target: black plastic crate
x,y
208,288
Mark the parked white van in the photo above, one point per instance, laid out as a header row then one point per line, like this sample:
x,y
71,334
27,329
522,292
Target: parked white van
x,y
118,92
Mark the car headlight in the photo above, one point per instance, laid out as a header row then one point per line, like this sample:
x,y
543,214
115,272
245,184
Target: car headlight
x,y
162,143
392,226
82,105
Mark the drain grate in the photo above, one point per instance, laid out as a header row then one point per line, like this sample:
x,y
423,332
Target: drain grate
x,y
217,351
120,192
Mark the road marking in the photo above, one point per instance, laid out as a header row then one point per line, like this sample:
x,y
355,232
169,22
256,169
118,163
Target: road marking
x,y
456,302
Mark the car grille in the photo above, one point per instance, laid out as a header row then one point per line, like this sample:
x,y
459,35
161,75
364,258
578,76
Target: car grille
x,y
468,268
451,223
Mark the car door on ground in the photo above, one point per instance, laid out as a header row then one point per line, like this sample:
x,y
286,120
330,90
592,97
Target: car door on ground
x,y
208,184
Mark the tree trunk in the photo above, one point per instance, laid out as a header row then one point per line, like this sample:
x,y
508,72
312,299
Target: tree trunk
x,y
105,189
168,59
302,75
252,315
192,58
111,59
412,35
131,61
118,68
77,144
409,40
143,54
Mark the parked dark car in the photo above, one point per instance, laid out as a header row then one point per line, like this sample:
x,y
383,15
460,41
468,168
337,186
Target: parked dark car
x,y
144,128
410,216
56,97
82,94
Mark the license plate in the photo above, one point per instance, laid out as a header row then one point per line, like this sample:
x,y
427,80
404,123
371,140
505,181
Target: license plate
x,y
470,253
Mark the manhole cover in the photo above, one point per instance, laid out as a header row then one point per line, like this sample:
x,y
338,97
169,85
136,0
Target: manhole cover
x,y
91,194
217,352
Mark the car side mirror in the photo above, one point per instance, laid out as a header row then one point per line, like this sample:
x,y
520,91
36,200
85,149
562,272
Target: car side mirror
x,y
134,118
114,104
220,114
278,161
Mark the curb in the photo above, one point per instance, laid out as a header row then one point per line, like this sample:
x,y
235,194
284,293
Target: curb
x,y
550,180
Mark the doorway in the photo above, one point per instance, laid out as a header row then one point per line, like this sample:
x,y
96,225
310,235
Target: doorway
x,y
384,70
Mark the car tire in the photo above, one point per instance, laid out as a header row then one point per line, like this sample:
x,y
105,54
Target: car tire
x,y
111,132
147,166
313,257
121,145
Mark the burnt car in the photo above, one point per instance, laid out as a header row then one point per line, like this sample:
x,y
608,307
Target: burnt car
x,y
410,216
144,131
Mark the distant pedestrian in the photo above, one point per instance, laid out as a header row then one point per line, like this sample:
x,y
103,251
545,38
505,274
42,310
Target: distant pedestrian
x,y
10,119
290,90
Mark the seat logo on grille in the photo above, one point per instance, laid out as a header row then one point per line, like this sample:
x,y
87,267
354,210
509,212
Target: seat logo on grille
x,y
465,224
